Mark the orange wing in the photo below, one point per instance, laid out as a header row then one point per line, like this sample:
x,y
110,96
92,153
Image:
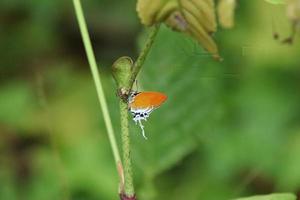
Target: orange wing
x,y
147,100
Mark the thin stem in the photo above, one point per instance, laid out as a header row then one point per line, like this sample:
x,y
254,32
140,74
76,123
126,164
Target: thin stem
x,y
97,81
141,59
129,188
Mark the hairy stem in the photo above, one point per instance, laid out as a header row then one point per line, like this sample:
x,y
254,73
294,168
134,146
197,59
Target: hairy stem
x,y
97,81
128,187
125,73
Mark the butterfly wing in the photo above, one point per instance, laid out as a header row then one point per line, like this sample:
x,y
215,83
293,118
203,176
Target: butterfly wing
x,y
146,100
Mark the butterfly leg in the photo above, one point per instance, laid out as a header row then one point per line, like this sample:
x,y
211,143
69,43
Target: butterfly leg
x,y
143,131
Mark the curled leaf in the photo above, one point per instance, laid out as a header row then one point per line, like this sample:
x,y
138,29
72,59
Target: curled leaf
x,y
226,10
122,69
195,17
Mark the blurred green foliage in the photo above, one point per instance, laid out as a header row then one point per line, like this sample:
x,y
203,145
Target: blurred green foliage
x,y
228,129
276,1
271,197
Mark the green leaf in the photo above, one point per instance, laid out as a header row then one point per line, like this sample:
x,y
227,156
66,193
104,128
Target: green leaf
x,y
212,108
188,77
283,196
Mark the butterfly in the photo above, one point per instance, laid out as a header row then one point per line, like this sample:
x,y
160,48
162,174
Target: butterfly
x,y
141,105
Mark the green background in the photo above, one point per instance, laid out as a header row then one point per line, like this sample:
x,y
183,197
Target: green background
x,y
227,130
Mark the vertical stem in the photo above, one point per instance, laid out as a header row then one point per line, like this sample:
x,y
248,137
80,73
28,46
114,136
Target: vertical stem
x,y
128,189
97,81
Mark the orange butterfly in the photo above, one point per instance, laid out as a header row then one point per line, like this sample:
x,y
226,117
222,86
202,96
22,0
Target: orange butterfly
x,y
141,104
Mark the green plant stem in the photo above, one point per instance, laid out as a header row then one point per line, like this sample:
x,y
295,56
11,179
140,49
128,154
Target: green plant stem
x,y
97,81
128,187
141,59
125,73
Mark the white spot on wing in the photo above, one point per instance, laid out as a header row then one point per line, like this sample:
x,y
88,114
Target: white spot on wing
x,y
141,114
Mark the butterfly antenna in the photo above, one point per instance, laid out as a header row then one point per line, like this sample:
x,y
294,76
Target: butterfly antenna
x,y
143,131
